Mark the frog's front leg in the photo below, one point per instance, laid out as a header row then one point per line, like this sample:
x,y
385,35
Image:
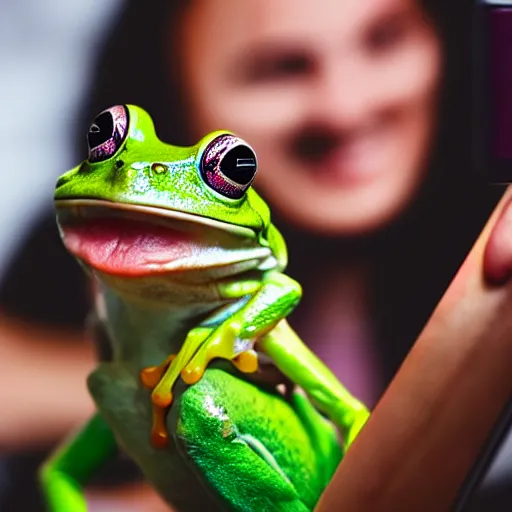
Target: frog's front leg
x,y
63,475
167,373
273,298
234,339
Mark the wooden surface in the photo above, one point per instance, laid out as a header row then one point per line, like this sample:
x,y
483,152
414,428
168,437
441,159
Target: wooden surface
x,y
424,435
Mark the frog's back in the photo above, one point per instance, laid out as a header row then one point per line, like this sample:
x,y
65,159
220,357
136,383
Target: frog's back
x,y
235,446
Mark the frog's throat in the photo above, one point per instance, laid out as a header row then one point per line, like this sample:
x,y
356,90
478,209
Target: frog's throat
x,y
75,208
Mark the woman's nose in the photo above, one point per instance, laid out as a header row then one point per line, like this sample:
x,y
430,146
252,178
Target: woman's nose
x,y
341,97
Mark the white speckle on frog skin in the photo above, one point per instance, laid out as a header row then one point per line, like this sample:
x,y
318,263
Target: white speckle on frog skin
x,y
282,389
213,410
137,134
241,345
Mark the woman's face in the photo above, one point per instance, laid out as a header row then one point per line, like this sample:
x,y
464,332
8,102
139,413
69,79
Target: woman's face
x,y
338,98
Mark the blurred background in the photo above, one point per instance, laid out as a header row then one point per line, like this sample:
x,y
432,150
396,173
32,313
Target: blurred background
x,y
360,113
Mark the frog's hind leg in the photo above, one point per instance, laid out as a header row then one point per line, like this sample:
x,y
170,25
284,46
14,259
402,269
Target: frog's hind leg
x,y
252,479
252,447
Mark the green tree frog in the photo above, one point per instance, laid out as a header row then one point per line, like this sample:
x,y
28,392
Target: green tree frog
x,y
190,294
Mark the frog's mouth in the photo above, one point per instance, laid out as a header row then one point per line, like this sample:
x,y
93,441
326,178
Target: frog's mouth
x,y
134,240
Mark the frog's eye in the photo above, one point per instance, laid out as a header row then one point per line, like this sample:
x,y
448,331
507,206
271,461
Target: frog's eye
x,y
229,166
107,132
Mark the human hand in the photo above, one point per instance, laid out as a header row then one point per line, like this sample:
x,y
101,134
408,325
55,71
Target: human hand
x,y
427,430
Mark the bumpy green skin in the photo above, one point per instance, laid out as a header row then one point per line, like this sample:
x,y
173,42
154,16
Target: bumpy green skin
x,y
234,445
304,447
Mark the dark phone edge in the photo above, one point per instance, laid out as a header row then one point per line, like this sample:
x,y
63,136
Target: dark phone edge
x,y
487,167
495,174
485,458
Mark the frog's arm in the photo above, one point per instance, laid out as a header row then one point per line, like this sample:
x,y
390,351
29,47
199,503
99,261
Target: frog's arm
x,y
261,318
74,463
305,369
273,298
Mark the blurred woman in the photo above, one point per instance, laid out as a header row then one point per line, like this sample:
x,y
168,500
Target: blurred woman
x,y
340,102
360,119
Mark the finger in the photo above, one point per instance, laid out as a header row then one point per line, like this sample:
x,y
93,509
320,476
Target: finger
x,y
430,425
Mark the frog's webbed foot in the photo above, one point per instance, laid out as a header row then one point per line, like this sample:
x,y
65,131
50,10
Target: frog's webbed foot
x,y
224,344
200,347
161,379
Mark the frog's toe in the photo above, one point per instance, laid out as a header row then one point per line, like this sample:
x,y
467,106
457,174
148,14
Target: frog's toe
x,y
162,392
247,362
159,434
226,346
194,370
157,379
192,374
162,398
152,375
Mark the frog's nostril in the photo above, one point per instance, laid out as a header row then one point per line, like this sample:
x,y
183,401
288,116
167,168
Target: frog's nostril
x,y
84,167
119,164
61,181
158,168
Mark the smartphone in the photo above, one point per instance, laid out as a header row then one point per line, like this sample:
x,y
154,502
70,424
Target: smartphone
x,y
492,447
492,58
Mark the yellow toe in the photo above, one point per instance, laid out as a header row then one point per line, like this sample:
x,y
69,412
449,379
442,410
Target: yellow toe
x,y
191,376
150,376
162,400
159,436
247,362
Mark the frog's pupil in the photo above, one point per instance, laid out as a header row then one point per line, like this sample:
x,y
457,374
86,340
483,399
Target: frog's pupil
x,y
239,165
101,130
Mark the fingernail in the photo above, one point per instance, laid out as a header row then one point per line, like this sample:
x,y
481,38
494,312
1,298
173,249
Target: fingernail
x,y
498,252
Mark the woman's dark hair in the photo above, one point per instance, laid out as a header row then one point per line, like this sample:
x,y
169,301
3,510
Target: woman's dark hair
x,y
414,259
424,250
135,67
